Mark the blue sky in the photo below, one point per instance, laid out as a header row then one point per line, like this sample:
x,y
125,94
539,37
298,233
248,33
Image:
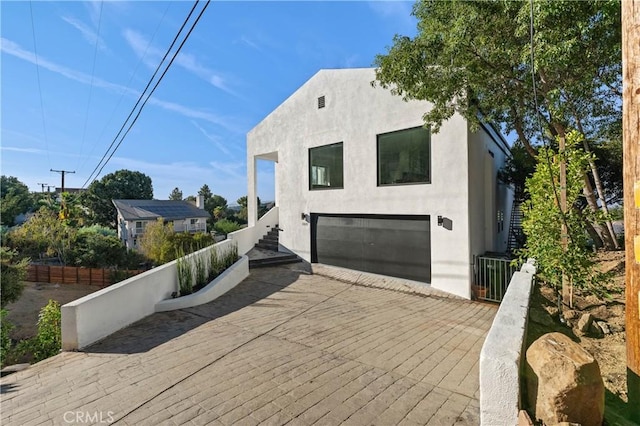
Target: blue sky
x,y
94,58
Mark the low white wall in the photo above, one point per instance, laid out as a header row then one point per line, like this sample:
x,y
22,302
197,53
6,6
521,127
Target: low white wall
x,y
501,354
97,315
216,288
248,237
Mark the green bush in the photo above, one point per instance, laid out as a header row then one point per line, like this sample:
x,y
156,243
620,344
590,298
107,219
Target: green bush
x,y
12,275
5,340
543,218
48,341
226,226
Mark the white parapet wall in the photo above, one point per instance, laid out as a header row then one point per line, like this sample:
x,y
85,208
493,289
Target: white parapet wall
x,y
502,352
97,315
248,237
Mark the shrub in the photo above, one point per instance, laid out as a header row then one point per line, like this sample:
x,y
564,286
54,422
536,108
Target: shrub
x,y
5,340
201,271
185,273
226,226
542,221
12,275
48,341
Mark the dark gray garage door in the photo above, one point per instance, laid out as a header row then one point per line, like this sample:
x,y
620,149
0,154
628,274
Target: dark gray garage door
x,y
398,246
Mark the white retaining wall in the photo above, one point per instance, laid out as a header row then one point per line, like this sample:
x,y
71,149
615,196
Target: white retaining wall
x,y
216,288
97,315
502,352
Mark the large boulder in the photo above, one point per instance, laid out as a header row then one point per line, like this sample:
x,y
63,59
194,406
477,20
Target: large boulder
x,y
564,382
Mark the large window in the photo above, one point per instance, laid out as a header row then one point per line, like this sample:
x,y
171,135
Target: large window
x,y
403,157
326,167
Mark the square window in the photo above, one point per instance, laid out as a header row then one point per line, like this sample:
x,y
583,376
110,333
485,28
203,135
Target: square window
x,y
326,167
404,157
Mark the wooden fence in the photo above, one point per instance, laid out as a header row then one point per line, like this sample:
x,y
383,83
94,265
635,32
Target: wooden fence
x,y
75,275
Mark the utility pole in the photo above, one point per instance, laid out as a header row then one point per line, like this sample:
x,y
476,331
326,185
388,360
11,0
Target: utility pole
x,y
631,183
62,172
43,185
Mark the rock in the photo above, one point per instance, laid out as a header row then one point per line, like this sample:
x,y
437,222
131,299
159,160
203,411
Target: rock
x,y
585,322
604,327
564,382
540,316
595,329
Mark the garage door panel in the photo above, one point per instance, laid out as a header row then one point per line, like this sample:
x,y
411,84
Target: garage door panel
x,y
395,246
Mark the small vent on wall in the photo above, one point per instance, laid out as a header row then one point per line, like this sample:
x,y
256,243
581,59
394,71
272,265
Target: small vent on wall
x,y
321,102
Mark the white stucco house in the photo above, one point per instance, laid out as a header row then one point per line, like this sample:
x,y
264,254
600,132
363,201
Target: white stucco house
x,y
361,184
135,215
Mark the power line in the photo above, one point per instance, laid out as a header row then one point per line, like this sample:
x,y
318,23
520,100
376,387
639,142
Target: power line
x,y
104,157
135,70
93,70
35,50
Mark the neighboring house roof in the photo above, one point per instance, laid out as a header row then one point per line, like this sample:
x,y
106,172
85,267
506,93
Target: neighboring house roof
x,y
153,209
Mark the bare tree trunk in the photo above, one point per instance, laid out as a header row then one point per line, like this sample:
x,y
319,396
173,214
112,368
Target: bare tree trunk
x,y
599,190
605,238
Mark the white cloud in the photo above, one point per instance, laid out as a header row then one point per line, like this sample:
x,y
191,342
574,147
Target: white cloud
x,y
224,179
151,57
217,140
24,150
88,34
13,49
235,170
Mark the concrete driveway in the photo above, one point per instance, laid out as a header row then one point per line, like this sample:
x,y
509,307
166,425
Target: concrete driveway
x,y
284,347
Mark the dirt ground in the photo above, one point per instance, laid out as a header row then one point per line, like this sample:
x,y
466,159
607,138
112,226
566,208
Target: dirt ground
x,y
23,314
609,348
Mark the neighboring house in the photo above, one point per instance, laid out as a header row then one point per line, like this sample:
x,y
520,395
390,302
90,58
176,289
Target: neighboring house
x,y
360,183
135,215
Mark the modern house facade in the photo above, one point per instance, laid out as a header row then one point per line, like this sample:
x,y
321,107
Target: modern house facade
x,y
135,215
361,184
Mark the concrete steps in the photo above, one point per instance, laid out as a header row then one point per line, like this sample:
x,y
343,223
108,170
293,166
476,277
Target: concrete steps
x,y
266,253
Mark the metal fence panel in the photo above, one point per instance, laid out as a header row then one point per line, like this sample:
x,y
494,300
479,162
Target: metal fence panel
x,y
491,277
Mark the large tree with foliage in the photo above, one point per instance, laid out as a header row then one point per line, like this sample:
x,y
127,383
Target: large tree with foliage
x,y
474,58
44,234
122,184
15,198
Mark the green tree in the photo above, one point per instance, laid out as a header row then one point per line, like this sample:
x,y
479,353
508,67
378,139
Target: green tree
x,y
15,198
120,185
46,234
473,58
205,192
543,220
176,194
214,202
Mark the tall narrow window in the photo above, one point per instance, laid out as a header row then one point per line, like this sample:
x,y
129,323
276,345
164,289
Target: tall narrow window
x,y
404,157
326,167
